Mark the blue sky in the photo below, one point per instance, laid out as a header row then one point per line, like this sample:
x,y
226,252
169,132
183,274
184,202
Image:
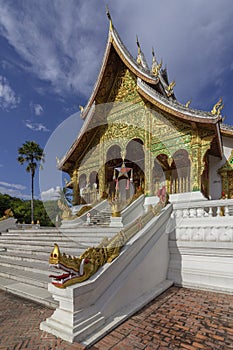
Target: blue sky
x,y
51,51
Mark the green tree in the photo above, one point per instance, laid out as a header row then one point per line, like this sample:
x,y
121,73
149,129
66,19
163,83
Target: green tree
x,y
5,203
31,154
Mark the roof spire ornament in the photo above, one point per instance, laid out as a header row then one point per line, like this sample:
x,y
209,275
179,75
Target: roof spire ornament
x,y
110,18
170,88
153,56
217,107
155,66
188,103
141,58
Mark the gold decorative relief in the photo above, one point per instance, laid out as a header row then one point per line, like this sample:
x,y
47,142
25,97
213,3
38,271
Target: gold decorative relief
x,y
125,87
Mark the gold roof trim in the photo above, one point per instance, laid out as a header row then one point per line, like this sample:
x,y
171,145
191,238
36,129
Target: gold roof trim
x,y
206,118
226,130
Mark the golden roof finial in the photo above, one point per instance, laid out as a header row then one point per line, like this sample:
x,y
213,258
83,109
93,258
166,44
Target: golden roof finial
x,y
156,68
188,103
171,86
138,45
153,53
154,61
139,60
109,17
81,108
217,107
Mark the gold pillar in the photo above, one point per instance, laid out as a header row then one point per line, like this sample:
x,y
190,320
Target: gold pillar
x,y
101,172
76,193
199,147
148,164
195,162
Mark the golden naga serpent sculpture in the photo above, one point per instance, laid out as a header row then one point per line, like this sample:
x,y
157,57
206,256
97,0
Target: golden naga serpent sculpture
x,y
79,269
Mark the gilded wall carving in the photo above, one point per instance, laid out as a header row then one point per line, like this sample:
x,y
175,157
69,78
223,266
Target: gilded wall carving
x,y
168,136
124,87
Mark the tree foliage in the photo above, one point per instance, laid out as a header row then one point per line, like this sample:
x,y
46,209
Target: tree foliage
x,y
22,210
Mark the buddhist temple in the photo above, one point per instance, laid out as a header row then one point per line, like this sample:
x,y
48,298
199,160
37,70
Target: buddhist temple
x,y
164,170
137,136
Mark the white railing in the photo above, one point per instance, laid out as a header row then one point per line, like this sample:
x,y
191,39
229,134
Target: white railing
x,y
200,209
201,245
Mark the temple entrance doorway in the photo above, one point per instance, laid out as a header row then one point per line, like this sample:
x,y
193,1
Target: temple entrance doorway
x,y
135,159
113,160
124,171
180,172
174,172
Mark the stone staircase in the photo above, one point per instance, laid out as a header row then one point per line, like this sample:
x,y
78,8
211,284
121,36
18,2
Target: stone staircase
x,y
24,254
102,217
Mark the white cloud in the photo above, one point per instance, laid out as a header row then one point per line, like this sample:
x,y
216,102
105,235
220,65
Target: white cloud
x,y
14,190
51,194
57,39
36,108
35,126
15,186
8,98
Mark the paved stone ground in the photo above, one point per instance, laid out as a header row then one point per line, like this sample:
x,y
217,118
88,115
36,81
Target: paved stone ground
x,y
178,319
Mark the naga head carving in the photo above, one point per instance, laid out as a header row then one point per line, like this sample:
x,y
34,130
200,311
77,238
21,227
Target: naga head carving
x,y
75,269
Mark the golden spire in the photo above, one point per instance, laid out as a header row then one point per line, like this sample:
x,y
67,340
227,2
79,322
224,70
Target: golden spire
x,y
188,103
109,17
171,86
154,61
139,60
217,107
153,54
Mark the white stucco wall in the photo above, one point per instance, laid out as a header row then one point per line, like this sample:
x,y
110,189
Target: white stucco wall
x,y
216,163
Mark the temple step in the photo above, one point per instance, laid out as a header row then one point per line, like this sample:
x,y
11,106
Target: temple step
x,y
24,257
33,277
102,218
28,291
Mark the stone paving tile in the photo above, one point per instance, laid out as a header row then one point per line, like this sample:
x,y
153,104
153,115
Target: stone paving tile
x,y
19,326
178,319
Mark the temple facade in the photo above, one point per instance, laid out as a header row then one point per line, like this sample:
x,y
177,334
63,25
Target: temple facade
x,y
137,138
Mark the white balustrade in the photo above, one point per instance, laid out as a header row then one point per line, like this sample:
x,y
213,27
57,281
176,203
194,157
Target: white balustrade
x,y
200,209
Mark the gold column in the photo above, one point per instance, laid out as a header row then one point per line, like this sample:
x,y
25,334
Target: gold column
x,y
148,165
76,193
195,162
199,147
101,172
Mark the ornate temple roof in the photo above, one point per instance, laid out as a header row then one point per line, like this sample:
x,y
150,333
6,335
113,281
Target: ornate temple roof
x,y
226,130
138,66
152,84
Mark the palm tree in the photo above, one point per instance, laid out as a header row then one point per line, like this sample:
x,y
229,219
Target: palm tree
x,y
31,153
